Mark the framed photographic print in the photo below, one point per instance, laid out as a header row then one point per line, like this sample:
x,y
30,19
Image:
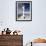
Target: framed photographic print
x,y
23,10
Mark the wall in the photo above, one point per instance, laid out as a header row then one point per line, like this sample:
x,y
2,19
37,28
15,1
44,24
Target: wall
x,y
31,30
39,18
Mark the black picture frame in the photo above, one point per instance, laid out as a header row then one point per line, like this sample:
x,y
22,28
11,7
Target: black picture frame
x,y
20,15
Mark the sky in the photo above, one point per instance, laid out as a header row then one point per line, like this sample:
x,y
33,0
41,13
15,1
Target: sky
x,y
27,6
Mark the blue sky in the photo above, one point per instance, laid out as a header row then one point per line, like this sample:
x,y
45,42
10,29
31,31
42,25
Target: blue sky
x,y
27,6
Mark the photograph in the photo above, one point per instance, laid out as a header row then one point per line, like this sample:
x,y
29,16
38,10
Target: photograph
x,y
23,10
